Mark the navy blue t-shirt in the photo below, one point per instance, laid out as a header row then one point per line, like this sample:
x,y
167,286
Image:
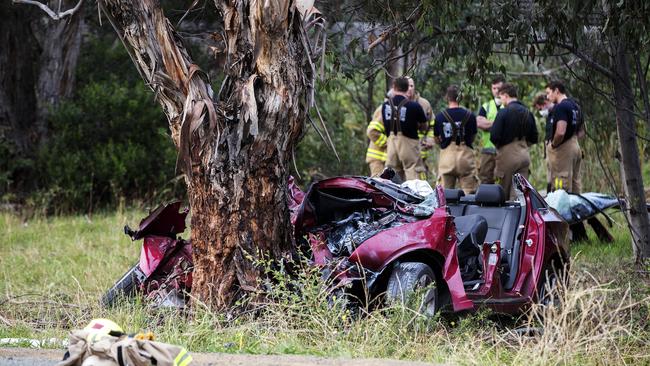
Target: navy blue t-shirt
x,y
410,116
568,111
443,128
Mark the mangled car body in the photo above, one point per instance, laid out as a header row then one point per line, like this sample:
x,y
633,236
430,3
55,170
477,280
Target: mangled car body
x,y
377,241
378,238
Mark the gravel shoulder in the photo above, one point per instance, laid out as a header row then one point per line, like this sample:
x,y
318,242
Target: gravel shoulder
x,y
49,357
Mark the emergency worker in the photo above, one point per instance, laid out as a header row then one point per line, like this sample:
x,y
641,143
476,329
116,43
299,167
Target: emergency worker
x,y
513,131
426,137
564,154
455,130
403,118
544,107
376,153
485,119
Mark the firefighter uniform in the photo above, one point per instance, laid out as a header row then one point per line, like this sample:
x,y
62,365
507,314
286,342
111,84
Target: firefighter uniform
x,y
456,129
487,162
422,167
376,153
565,159
402,119
514,129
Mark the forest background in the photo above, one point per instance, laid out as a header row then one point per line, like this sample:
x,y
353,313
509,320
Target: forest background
x,y
106,143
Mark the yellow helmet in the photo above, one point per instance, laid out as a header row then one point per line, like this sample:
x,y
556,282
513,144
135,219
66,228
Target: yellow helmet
x,y
100,328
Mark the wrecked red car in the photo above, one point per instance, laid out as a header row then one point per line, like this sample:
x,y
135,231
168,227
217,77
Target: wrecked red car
x,y
379,242
376,238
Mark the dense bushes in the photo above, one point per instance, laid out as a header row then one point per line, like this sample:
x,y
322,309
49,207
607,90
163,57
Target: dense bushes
x,y
110,143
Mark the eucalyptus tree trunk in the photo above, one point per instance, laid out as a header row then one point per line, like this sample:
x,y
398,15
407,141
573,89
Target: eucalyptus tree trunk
x,y
17,81
60,43
630,167
234,148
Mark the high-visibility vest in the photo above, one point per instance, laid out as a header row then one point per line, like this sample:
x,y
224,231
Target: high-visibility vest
x,y
491,110
424,154
377,146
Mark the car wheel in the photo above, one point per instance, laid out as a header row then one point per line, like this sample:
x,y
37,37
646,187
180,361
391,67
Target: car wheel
x,y
413,278
547,293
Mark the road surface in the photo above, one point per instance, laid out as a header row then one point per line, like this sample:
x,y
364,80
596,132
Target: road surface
x,y
43,357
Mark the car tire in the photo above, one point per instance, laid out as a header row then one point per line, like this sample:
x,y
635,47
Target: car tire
x,y
547,291
407,278
124,288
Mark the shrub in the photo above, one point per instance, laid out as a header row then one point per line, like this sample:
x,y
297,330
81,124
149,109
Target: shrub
x,y
110,143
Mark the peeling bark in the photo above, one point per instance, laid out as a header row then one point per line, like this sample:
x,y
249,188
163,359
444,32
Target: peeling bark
x,y
235,147
61,45
38,60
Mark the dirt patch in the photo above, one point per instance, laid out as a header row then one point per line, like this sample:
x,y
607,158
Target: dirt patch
x,y
41,357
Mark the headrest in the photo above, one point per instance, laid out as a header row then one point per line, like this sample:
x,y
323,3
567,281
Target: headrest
x,y
468,198
453,195
491,194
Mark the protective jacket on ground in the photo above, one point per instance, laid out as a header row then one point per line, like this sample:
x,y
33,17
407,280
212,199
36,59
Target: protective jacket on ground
x,y
86,349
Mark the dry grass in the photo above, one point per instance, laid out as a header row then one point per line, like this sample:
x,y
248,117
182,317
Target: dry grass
x,y
53,272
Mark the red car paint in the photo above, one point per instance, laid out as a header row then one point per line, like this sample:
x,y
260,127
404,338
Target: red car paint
x,y
431,240
162,252
544,240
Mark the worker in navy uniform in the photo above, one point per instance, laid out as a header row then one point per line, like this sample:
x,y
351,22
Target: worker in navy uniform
x,y
455,130
485,119
564,154
403,118
513,131
544,107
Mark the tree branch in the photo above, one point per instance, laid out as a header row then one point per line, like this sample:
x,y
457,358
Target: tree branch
x,y
588,60
56,16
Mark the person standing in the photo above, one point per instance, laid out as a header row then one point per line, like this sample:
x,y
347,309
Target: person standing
x,y
564,154
486,116
544,107
426,137
403,118
376,153
455,130
513,131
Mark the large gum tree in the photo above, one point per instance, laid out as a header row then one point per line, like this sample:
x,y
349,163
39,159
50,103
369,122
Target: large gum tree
x,y
235,145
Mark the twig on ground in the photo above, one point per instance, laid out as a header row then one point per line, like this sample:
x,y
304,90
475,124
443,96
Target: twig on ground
x,y
6,321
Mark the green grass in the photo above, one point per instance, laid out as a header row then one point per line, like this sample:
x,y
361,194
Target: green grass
x,y
53,271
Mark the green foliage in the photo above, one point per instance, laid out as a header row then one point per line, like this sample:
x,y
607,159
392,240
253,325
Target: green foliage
x,y
11,163
109,143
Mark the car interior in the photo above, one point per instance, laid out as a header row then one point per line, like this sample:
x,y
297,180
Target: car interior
x,y
486,217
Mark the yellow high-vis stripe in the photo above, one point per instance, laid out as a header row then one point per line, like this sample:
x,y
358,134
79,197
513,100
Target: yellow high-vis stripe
x,y
381,141
376,125
376,154
183,358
